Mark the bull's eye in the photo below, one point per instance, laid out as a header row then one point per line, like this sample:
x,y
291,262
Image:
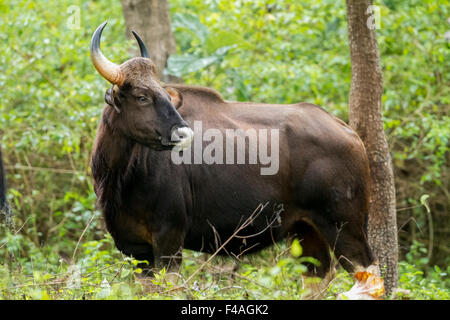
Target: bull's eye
x,y
142,99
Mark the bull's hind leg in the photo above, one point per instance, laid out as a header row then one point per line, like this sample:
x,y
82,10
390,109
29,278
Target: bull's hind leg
x,y
348,241
336,196
347,237
315,246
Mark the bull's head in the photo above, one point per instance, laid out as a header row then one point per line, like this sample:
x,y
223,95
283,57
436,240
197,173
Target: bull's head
x,y
145,112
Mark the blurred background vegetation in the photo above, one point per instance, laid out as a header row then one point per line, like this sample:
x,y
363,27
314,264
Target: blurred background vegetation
x,y
288,51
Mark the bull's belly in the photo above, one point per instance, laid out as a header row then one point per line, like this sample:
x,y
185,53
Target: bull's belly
x,y
236,246
220,231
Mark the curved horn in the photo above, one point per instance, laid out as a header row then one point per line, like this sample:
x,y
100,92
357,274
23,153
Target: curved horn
x,y
109,70
142,47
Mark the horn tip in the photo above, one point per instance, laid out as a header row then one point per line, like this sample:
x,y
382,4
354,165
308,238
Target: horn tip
x,y
101,27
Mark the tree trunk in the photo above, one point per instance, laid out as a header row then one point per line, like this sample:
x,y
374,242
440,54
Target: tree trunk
x,y
365,116
151,19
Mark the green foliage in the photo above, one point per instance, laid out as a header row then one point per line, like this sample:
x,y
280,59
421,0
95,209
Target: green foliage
x,y
268,51
418,280
198,58
102,272
50,104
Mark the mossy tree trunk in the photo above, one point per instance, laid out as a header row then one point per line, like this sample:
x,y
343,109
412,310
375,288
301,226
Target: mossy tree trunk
x,y
365,116
151,19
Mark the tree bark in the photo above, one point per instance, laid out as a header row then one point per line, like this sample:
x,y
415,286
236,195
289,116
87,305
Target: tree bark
x,y
151,19
365,116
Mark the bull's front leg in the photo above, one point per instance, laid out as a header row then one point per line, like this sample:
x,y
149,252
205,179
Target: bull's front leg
x,y
168,243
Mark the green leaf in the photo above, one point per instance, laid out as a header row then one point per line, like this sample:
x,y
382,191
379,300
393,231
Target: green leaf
x,y
191,23
188,63
296,248
423,201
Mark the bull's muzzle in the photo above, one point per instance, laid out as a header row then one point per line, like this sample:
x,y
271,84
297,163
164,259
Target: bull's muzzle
x,y
181,137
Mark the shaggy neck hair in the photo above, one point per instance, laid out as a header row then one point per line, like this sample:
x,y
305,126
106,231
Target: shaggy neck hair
x,y
113,165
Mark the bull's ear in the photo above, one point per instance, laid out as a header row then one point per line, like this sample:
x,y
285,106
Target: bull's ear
x,y
175,97
110,100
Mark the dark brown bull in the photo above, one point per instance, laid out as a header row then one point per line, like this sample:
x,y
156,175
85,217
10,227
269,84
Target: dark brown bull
x,y
153,207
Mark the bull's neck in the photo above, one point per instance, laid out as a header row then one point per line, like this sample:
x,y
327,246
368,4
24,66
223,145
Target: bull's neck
x,y
111,145
112,159
115,148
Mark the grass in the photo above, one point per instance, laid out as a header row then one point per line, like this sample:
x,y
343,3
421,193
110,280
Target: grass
x,y
99,271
